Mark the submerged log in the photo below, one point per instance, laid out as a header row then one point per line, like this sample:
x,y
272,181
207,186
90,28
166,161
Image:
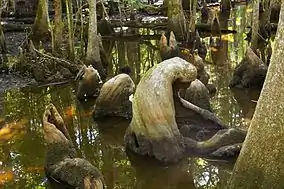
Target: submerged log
x,y
113,99
62,164
154,130
89,82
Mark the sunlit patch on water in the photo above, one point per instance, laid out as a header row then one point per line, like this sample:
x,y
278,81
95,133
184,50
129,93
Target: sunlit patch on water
x,y
11,130
22,147
6,176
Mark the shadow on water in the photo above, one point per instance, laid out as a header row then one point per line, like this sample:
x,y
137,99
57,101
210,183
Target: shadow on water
x,y
22,145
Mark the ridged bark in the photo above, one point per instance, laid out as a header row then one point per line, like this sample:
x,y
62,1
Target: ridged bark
x,y
261,161
58,25
41,26
93,49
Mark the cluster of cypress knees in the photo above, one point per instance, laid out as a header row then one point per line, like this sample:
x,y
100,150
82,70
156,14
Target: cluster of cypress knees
x,y
174,95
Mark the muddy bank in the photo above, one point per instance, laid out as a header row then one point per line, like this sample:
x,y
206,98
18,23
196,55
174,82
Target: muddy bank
x,y
13,80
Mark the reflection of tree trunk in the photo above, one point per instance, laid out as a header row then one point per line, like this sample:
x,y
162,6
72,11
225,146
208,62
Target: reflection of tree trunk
x,y
138,62
151,175
108,166
247,102
121,54
226,6
220,54
132,55
6,158
262,151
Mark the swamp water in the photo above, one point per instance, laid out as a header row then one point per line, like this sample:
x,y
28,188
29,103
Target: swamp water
x,y
22,145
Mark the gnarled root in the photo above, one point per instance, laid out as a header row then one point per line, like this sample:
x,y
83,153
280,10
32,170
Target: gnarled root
x,y
224,144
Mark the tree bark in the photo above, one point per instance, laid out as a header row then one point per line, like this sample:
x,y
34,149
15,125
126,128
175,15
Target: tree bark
x,y
41,26
58,24
176,19
93,49
153,129
71,49
2,39
261,161
255,26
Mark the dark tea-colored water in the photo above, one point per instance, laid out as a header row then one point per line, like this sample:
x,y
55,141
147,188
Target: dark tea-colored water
x,y
22,146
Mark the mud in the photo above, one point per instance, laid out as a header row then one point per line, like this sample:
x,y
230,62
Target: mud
x,y
13,80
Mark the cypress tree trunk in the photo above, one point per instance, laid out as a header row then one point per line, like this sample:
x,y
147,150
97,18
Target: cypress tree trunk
x,y
176,19
261,161
57,4
193,15
41,26
255,26
93,49
2,39
71,49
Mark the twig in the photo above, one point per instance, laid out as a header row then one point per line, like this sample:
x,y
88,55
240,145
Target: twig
x,y
59,60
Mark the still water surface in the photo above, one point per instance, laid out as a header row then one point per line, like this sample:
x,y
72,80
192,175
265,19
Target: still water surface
x,y
22,145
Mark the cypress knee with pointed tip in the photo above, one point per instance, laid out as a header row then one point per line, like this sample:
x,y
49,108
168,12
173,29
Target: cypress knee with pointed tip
x,y
89,82
114,98
168,50
62,165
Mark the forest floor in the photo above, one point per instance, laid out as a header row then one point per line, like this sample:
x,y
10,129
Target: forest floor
x,y
10,79
13,80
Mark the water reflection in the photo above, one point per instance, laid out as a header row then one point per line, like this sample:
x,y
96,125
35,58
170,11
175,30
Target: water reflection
x,y
22,153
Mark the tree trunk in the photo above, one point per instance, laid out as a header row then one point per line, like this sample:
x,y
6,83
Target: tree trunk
x,y
176,19
2,39
255,26
93,49
71,49
57,26
193,15
41,26
261,161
